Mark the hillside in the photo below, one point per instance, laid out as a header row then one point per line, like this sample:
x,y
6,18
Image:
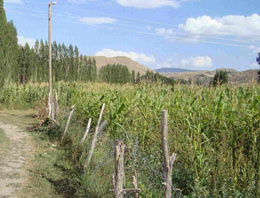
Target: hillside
x,y
132,65
235,77
171,70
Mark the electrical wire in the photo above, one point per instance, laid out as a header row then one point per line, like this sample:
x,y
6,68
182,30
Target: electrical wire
x,y
132,31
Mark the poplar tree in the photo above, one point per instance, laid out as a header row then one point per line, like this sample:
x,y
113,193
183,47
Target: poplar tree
x,y
115,74
133,76
8,48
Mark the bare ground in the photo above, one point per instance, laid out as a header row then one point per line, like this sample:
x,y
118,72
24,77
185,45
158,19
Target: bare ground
x,y
12,165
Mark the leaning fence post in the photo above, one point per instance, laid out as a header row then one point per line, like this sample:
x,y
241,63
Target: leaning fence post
x,y
87,131
56,105
119,170
49,105
168,160
94,139
68,122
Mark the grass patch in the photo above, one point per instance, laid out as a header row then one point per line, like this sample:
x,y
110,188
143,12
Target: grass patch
x,y
20,118
43,171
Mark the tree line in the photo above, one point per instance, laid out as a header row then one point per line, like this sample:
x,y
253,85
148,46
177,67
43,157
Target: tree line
x,y
68,65
8,47
24,64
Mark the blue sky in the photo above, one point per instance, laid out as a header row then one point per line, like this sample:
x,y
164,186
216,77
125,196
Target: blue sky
x,y
192,34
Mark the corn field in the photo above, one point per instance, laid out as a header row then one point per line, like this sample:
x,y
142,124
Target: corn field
x,y
214,131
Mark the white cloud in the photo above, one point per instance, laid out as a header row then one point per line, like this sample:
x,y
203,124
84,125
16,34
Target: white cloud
x,y
172,35
149,4
231,25
166,33
79,1
133,55
97,20
255,49
14,1
23,40
254,66
198,61
148,27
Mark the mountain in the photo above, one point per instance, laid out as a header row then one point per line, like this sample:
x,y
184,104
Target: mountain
x,y
132,65
173,70
235,77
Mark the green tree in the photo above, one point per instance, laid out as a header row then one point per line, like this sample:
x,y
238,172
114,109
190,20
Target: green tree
x,y
115,74
258,61
138,77
220,78
133,76
76,63
8,49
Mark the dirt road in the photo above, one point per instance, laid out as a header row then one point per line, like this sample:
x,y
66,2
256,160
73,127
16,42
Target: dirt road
x,y
12,165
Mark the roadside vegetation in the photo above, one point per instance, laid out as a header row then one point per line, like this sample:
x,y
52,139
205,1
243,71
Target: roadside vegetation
x,y
214,131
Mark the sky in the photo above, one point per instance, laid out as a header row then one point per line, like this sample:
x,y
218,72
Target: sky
x,y
190,34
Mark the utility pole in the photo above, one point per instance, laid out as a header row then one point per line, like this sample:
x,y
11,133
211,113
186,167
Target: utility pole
x,y
50,101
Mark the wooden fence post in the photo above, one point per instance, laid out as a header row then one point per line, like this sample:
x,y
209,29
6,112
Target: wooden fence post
x,y
87,131
168,160
49,105
56,105
119,175
94,139
119,170
134,182
68,122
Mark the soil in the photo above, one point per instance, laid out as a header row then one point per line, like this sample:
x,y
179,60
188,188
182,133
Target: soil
x,y
13,164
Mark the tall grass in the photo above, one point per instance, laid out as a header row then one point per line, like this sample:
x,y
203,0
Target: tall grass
x,y
214,131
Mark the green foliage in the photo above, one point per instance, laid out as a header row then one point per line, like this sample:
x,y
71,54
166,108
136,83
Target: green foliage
x,y
22,64
115,74
8,48
133,80
220,78
158,78
68,65
214,131
258,61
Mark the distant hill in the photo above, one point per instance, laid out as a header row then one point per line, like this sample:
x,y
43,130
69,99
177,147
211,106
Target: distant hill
x,y
235,77
173,70
132,65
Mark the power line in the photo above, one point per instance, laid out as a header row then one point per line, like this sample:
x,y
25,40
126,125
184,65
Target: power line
x,y
159,23
139,32
204,35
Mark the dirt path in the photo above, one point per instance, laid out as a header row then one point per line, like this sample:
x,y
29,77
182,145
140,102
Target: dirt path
x,y
12,166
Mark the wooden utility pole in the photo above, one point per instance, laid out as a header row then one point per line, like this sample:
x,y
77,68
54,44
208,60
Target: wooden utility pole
x,y
50,103
168,160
